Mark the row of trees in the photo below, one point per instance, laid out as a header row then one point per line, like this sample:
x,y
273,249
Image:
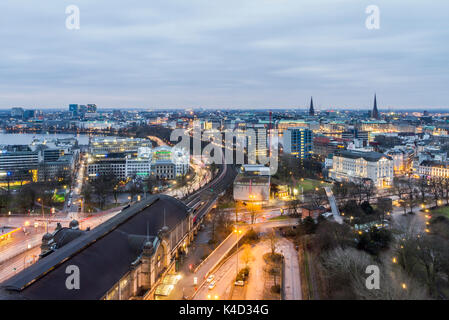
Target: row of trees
x,y
411,191
98,190
25,199
360,191
292,169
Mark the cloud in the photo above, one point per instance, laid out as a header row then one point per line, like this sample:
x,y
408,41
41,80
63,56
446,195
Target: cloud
x,y
235,53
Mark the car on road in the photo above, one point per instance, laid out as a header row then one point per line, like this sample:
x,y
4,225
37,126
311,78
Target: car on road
x,y
212,285
210,278
239,283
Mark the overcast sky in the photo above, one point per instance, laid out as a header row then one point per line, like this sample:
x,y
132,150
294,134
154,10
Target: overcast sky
x,y
224,53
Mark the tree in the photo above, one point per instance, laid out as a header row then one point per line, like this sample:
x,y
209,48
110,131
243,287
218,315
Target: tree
x,y
404,188
221,225
318,197
103,186
347,277
307,226
423,187
359,191
246,254
273,240
384,206
150,184
134,187
374,240
331,235
368,190
342,191
436,188
254,211
423,252
294,207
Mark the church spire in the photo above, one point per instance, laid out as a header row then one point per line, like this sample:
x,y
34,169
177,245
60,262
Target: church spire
x,y
311,110
375,113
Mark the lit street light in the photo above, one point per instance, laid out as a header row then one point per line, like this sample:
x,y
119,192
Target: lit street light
x,y
237,232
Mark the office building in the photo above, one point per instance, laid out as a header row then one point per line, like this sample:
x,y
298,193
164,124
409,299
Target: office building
x,y
298,142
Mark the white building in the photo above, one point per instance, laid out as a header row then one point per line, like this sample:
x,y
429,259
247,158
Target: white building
x,y
351,165
169,163
432,169
402,159
104,145
252,184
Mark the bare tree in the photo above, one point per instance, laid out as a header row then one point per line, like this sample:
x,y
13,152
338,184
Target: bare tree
x,y
423,187
273,239
436,188
294,207
247,255
348,266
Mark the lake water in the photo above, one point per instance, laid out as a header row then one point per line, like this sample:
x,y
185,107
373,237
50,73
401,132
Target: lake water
x,y
27,138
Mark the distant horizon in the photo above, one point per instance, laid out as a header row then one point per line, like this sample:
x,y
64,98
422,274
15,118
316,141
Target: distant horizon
x,y
241,108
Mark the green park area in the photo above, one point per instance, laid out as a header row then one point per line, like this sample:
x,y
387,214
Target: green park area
x,y
444,211
310,185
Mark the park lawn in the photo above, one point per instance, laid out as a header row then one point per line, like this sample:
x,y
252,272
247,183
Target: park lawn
x,y
310,185
283,217
444,211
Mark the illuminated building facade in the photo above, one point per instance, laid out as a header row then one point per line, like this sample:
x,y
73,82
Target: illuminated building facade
x,y
298,142
352,165
252,184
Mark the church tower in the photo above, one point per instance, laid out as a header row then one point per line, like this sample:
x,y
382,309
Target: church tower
x,y
375,113
311,109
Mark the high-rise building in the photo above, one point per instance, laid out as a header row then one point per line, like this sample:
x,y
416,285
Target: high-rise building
x,y
18,163
73,108
91,108
82,109
298,142
17,113
28,114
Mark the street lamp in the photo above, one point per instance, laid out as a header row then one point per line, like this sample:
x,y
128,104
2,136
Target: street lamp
x,y
41,200
237,232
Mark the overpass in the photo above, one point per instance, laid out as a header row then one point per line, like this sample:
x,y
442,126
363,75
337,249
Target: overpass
x,y
333,204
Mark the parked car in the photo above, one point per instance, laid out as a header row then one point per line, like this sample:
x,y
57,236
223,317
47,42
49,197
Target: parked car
x,y
240,283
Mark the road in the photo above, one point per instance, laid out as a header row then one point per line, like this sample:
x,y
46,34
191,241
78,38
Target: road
x,y
214,259
12,259
18,263
224,275
255,284
224,278
292,278
75,197
415,223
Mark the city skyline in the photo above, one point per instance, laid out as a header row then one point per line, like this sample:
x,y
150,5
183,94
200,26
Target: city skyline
x,y
225,55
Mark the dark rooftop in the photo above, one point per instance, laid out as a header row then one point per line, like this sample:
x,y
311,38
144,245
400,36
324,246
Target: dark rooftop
x,y
103,255
368,156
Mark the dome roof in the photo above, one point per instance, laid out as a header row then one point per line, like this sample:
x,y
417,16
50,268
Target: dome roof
x,y
47,236
148,245
74,224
